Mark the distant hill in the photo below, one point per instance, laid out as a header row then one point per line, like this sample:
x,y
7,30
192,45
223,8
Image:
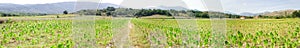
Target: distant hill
x,y
52,8
278,13
248,14
55,8
167,8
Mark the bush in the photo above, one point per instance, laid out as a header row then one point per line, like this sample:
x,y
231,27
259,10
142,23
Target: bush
x,y
57,16
296,13
65,12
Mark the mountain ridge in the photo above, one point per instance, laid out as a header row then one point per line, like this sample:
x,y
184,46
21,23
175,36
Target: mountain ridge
x,y
52,8
286,12
57,8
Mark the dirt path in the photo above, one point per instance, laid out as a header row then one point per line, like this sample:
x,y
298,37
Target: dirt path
x,y
139,37
129,37
121,39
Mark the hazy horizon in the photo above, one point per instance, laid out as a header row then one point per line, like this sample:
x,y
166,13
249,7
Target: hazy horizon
x,y
232,6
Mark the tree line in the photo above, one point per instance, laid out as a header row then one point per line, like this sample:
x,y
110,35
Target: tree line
x,y
20,14
129,12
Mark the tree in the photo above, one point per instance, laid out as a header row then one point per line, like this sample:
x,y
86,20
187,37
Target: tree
x,y
57,16
296,13
98,12
108,13
65,12
110,9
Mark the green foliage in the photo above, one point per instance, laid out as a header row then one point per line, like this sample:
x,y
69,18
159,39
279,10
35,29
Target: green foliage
x,y
20,14
110,9
51,33
9,20
149,12
1,46
296,13
57,16
241,33
66,12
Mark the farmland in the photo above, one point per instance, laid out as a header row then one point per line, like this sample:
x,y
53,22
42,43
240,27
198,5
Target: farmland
x,y
145,33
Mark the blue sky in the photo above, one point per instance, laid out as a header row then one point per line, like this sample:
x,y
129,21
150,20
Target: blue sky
x,y
235,6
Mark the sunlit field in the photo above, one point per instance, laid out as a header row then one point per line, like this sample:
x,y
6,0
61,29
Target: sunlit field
x,y
145,33
240,33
